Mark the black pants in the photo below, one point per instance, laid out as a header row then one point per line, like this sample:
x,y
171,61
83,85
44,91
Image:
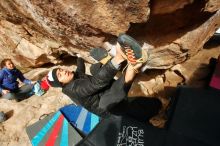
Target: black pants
x,y
115,93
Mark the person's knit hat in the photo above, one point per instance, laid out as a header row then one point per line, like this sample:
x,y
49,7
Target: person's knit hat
x,y
52,78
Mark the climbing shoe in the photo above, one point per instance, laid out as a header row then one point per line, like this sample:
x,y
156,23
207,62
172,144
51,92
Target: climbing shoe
x,y
132,49
100,55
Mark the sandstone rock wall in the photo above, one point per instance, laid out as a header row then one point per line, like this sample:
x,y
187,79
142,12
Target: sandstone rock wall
x,y
51,26
35,32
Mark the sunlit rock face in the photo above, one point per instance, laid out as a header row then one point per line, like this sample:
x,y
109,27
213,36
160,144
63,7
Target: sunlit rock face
x,y
35,32
55,27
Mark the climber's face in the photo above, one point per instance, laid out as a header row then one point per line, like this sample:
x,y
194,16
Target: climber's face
x,y
64,76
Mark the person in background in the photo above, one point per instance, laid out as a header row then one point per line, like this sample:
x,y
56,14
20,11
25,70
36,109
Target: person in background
x,y
9,86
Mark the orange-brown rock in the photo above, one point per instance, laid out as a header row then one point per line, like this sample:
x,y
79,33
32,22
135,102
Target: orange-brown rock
x,y
161,83
55,28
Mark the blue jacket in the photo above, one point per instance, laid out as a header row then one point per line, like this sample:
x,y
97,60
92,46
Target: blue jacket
x,y
8,79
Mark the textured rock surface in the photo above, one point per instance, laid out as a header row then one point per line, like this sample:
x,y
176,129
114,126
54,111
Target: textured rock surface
x,y
168,6
159,83
36,32
72,26
175,38
212,5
